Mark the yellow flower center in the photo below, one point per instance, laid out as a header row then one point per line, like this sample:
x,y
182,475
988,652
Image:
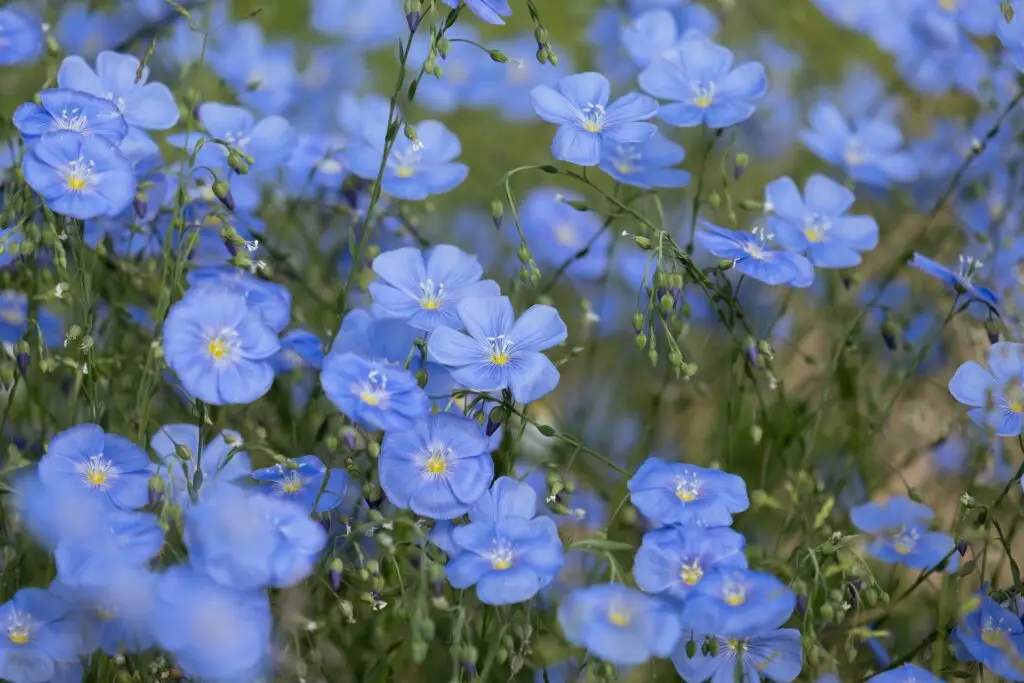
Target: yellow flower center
x,y
812,235
499,358
76,183
948,5
592,126
1016,406
436,464
501,563
293,485
687,495
96,477
405,172
12,316
735,597
623,168
691,574
619,617
369,398
18,635
430,304
565,235
993,637
702,101
902,547
217,348
105,614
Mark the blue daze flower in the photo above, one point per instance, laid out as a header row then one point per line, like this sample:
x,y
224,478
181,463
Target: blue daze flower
x,y
15,323
439,468
415,169
678,493
219,347
907,673
178,453
672,561
993,635
38,635
960,280
60,109
79,176
742,657
996,395
817,224
424,290
372,393
246,539
869,151
121,79
751,255
557,233
578,104
703,87
21,37
491,11
505,551
646,164
738,600
85,458
501,352
899,534
302,480
126,539
212,631
618,624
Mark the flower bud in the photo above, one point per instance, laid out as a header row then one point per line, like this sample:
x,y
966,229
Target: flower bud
x,y
443,46
641,241
741,165
827,612
714,199
638,321
1006,7
222,191
140,205
498,56
237,162
641,340
497,212
495,419
992,330
890,334
652,355
691,649
412,14
156,490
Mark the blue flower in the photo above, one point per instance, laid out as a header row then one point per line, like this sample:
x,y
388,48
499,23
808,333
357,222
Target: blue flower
x,y
618,624
15,323
506,87
245,539
704,88
651,36
299,349
899,534
752,256
743,657
64,515
907,673
78,176
426,291
645,164
995,396
672,561
117,606
219,347
126,539
578,104
501,352
490,11
816,223
317,165
678,493
302,480
272,301
738,600
262,76
37,635
372,393
121,79
960,280
869,152
415,169
60,109
557,233
437,469
107,465
993,635
359,23
21,34
211,630
179,453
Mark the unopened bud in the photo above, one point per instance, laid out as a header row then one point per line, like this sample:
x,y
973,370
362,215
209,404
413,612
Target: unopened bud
x,y
412,14
714,199
992,330
497,212
641,340
222,191
498,56
495,419
741,165
1006,7
140,205
641,241
638,321
237,162
890,334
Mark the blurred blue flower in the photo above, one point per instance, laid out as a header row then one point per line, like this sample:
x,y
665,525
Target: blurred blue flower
x,y
39,634
372,393
439,468
121,79
302,480
415,169
993,635
501,352
960,280
817,224
107,465
62,109
219,347
742,657
645,164
869,151
117,607
317,166
506,86
179,455
680,493
703,87
15,321
84,31
78,176
491,11
751,255
21,34
127,539
578,104
671,561
262,76
738,600
360,24
906,673
618,624
899,534
272,301
556,233
212,631
651,36
425,289
995,396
